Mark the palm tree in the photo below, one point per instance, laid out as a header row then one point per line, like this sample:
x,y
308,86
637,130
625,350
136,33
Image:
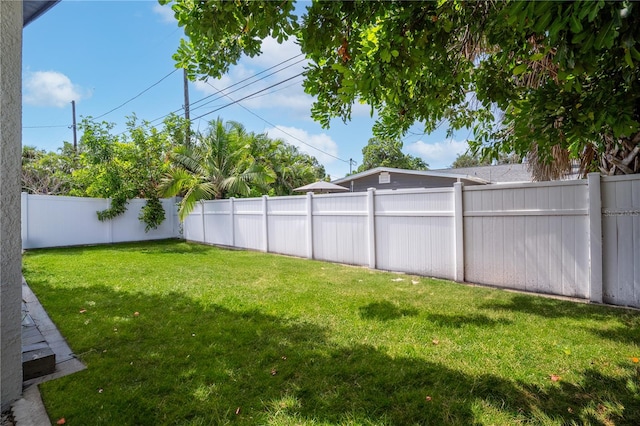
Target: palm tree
x,y
294,169
217,165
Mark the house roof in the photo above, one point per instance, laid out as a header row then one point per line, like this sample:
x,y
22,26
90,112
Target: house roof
x,y
500,173
426,173
32,9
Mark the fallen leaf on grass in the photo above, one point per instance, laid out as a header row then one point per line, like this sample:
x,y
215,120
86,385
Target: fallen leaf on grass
x,y
274,372
555,378
61,421
135,314
435,341
395,280
414,282
237,411
428,398
82,311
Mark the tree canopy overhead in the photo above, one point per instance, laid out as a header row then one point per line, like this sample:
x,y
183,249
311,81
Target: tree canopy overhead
x,y
544,79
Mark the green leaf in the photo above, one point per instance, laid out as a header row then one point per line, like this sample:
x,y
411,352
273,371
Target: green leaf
x,y
627,57
576,25
519,69
604,39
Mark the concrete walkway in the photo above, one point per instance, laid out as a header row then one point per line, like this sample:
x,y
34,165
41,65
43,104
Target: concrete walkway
x,y
29,410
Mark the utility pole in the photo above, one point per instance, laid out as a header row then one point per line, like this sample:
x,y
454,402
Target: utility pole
x,y
351,163
73,126
187,138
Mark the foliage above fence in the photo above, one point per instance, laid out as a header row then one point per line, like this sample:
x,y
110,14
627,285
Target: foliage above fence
x,y
146,162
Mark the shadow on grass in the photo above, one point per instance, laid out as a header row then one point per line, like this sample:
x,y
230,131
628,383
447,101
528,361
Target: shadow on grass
x,y
177,362
385,311
627,331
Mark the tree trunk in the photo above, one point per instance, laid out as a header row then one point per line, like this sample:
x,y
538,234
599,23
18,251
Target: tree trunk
x,y
621,157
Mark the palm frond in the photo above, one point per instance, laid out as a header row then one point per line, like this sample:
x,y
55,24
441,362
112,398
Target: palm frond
x,y
203,191
175,182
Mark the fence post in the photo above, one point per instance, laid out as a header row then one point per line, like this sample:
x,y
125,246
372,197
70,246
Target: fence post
x,y
24,219
175,220
371,219
595,238
265,223
310,225
109,224
232,217
204,229
458,231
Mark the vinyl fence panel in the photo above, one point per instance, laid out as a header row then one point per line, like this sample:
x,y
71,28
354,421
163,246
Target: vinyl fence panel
x,y
53,221
415,232
531,237
287,225
621,240
340,228
193,225
57,221
217,222
248,227
128,227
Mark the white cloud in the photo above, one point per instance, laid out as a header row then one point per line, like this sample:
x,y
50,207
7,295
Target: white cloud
x,y
273,53
51,88
293,136
165,12
438,155
291,98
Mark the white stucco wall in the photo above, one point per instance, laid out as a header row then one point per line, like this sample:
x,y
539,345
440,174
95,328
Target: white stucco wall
x,y
10,242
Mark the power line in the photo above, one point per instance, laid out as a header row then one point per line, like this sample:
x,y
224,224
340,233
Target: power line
x,y
45,127
244,86
138,95
254,76
191,105
276,127
248,96
225,105
279,90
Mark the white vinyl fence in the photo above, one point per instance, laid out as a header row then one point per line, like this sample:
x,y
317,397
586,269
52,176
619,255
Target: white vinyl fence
x,y
529,237
621,242
571,238
55,221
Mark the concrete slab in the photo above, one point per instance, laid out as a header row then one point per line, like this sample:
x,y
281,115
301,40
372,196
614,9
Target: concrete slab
x,y
29,410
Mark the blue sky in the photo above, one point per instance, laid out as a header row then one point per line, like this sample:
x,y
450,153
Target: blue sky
x,y
103,53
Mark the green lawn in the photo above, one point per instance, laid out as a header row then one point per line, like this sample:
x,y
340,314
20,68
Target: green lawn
x,y
179,333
